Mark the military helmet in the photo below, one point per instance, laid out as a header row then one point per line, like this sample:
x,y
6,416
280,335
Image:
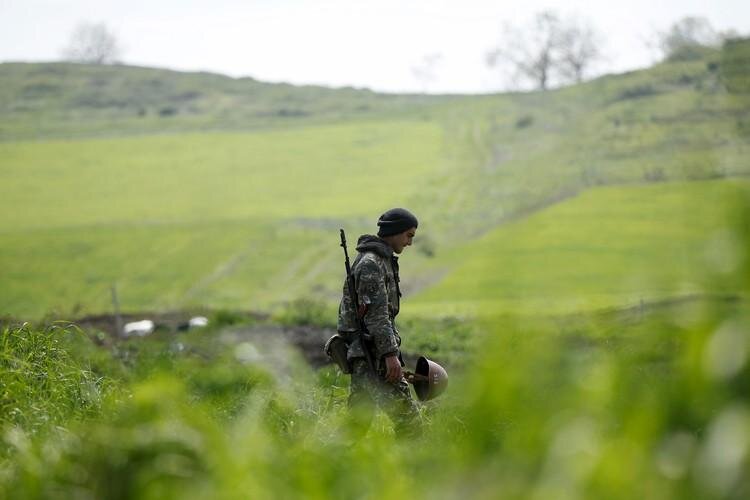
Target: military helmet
x,y
430,379
336,349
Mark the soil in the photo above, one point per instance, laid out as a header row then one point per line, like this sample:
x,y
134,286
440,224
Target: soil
x,y
251,327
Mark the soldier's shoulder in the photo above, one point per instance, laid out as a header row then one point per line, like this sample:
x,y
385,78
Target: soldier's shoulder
x,y
369,262
370,257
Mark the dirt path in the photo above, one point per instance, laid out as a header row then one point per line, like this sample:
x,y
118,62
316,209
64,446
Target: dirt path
x,y
308,340
267,338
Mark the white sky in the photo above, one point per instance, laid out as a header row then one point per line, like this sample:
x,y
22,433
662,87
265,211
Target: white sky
x,y
365,43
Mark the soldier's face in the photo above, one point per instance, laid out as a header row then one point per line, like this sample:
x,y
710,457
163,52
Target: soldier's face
x,y
402,240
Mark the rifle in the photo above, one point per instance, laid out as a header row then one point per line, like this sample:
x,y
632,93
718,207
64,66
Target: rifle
x,y
352,286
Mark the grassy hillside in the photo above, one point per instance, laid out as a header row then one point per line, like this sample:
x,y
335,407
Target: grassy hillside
x,y
610,247
219,219
597,236
248,219
72,100
307,173
521,152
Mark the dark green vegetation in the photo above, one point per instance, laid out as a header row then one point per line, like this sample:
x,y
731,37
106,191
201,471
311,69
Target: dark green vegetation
x,y
67,100
582,268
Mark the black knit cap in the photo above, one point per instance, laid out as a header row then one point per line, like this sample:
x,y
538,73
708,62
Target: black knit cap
x,y
395,221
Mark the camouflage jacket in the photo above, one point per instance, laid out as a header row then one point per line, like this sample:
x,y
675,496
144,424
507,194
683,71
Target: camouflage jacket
x,y
375,272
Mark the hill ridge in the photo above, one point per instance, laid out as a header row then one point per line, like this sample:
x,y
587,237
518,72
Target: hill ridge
x,y
59,100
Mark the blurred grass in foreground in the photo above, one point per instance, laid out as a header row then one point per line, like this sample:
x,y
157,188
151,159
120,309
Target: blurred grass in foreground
x,y
642,403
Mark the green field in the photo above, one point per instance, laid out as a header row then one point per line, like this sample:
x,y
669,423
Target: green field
x,y
609,247
212,219
248,219
581,268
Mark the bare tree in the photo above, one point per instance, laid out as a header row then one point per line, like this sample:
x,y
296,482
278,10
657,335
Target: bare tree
x,y
530,52
687,39
92,43
580,48
549,50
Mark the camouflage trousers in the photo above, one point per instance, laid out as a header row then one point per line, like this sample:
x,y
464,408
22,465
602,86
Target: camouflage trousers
x,y
395,399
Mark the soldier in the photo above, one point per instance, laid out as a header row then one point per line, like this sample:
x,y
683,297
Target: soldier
x,y
375,272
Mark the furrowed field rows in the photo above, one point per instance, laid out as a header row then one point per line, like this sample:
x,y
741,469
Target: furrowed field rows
x,y
70,271
211,219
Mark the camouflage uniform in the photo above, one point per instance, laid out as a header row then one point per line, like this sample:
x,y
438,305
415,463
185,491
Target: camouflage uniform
x,y
376,277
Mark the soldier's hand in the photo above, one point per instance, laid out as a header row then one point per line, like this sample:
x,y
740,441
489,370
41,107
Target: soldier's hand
x,y
392,369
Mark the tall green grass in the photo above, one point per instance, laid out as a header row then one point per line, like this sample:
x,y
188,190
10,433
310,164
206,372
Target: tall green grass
x,y
626,404
43,383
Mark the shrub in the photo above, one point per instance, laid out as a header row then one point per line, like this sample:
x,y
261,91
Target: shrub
x,y
426,246
291,113
524,121
225,317
306,311
654,174
637,92
167,111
